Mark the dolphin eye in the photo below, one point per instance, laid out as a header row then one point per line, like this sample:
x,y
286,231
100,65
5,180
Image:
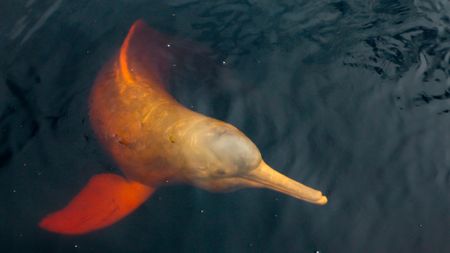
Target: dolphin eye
x,y
221,172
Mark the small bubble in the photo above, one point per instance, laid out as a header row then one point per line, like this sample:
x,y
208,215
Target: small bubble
x,y
14,190
168,45
167,180
202,211
224,62
76,246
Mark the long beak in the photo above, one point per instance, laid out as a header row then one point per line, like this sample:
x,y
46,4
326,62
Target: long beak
x,y
266,177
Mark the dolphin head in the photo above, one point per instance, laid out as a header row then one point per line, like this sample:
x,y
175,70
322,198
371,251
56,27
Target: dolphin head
x,y
222,158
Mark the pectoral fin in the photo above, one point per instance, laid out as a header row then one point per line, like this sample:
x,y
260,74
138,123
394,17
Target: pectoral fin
x,y
106,199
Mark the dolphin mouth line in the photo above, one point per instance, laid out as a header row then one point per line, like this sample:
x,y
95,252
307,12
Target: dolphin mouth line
x,y
266,177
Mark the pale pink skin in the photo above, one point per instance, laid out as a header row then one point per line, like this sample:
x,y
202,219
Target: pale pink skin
x,y
154,139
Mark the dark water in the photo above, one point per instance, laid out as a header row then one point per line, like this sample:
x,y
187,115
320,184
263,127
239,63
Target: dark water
x,y
349,97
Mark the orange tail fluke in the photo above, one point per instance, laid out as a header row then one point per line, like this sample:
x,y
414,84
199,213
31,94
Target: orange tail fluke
x,y
106,199
145,53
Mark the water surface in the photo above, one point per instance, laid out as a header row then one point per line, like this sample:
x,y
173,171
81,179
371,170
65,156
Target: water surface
x,y
350,97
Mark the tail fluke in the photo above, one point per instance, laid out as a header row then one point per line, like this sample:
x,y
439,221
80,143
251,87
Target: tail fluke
x,y
145,54
106,199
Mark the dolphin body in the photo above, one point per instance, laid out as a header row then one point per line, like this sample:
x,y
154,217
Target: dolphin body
x,y
154,140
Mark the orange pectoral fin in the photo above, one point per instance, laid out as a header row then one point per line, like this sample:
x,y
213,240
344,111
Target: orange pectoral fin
x,y
106,199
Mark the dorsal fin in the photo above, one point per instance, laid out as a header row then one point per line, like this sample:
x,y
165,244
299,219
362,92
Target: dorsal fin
x,y
145,54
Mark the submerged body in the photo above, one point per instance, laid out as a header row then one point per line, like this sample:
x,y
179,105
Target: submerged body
x,y
154,140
